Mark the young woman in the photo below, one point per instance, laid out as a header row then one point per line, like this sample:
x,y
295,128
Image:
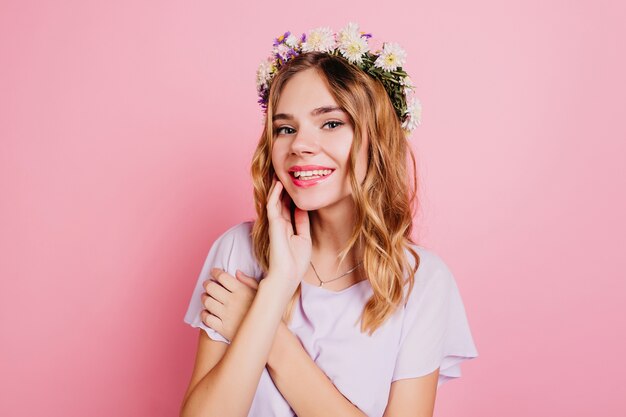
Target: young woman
x,y
324,305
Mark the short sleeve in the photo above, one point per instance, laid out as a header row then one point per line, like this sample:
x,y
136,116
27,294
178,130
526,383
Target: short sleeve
x,y
231,251
435,330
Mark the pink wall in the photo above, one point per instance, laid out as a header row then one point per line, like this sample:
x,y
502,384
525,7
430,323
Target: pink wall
x,y
126,131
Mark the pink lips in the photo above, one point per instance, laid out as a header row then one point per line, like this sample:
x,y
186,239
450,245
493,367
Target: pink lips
x,y
308,183
307,168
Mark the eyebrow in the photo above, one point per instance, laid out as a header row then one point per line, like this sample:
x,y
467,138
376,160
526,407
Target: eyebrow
x,y
314,112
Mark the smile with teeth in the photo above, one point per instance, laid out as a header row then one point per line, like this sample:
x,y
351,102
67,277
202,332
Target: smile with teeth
x,y
311,175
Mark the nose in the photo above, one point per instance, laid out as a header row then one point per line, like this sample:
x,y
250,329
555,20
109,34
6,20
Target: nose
x,y
305,141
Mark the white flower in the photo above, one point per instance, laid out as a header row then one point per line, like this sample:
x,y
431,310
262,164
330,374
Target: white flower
x,y
263,74
320,39
413,115
351,44
291,41
408,85
354,50
391,57
348,33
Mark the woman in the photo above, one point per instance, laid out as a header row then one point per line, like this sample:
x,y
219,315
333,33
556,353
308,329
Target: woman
x,y
323,305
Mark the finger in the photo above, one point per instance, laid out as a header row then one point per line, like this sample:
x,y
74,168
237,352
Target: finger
x,y
303,226
211,320
249,281
212,305
274,196
273,203
271,190
228,281
215,290
285,209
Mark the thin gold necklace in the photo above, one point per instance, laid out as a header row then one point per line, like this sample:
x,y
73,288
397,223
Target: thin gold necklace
x,y
330,280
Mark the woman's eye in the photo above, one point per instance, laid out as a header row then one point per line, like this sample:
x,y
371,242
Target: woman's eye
x,y
285,130
333,124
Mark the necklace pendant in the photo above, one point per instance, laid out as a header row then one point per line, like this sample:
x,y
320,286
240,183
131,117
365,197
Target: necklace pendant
x,y
321,283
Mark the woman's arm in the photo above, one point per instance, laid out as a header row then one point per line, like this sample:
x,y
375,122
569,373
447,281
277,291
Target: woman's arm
x,y
413,397
228,389
243,361
304,385
309,392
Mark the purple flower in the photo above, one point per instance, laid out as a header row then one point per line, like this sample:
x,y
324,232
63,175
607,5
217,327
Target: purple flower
x,y
281,39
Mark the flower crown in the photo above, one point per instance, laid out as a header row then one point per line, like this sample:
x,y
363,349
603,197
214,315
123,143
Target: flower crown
x,y
384,65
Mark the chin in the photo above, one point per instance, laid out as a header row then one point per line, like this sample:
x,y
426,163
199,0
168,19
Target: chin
x,y
311,203
307,204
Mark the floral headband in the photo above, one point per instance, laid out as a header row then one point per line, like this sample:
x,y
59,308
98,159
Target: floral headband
x,y
384,65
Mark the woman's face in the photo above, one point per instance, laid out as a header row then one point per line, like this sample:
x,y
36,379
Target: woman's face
x,y
312,140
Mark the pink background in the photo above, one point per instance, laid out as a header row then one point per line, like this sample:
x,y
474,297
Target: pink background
x,y
127,129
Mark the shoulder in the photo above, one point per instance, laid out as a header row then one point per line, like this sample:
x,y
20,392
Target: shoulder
x,y
238,235
435,330
233,249
433,278
430,262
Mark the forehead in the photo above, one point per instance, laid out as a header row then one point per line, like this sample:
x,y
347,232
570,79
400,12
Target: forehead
x,y
303,92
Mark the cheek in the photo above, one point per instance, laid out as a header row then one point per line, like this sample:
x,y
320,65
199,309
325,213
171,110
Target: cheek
x,y
278,158
274,156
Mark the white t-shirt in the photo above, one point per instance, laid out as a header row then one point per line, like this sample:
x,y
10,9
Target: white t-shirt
x,y
431,331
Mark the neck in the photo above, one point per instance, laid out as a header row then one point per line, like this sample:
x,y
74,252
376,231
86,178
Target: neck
x,y
331,228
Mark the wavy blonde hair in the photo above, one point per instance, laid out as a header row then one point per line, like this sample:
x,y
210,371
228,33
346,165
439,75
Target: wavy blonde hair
x,y
384,201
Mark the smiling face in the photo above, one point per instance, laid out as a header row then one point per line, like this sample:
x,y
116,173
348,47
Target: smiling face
x,y
312,141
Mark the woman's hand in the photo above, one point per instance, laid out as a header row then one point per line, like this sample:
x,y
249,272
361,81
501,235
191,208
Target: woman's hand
x,y
290,250
227,300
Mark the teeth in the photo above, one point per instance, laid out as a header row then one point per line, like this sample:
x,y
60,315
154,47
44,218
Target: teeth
x,y
316,172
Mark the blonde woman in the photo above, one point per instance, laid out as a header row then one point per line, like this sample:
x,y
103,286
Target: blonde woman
x,y
324,306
